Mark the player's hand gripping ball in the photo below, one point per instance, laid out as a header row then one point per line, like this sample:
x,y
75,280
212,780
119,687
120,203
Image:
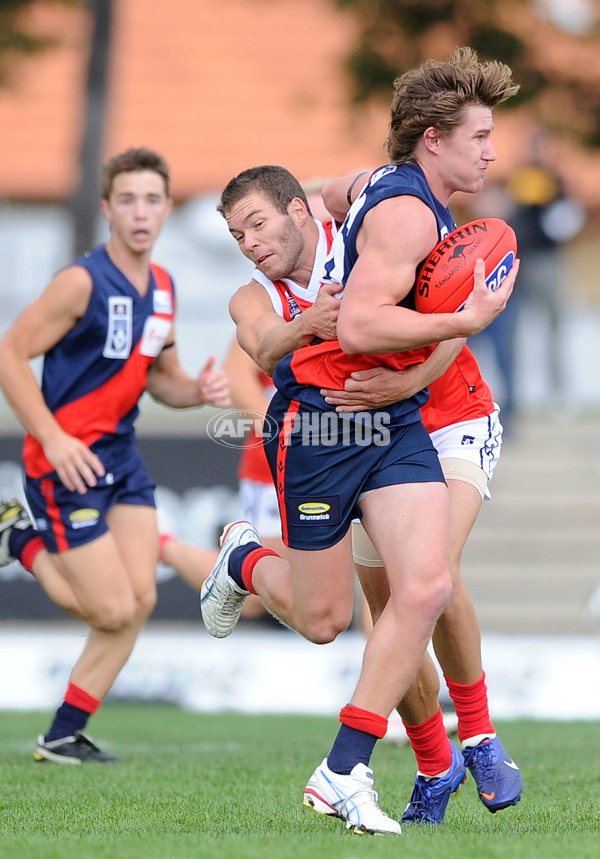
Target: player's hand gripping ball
x,y
445,278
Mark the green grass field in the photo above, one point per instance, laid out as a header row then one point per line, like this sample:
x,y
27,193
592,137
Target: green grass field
x,y
230,786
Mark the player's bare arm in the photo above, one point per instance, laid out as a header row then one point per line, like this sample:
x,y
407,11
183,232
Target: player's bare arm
x,y
381,386
251,309
213,384
396,236
342,191
39,327
170,384
267,337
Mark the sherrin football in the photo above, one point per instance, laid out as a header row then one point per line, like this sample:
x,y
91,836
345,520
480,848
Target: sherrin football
x,y
445,278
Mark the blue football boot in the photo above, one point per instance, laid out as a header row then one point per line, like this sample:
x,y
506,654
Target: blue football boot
x,y
430,796
498,778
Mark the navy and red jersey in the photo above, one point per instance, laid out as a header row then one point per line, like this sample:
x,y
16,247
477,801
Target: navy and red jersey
x,y
93,378
301,374
460,394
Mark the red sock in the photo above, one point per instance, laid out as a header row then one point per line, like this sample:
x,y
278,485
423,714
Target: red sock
x,y
30,553
431,745
77,697
363,720
162,542
250,562
471,705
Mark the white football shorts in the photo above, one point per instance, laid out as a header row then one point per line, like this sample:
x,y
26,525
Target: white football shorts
x,y
468,451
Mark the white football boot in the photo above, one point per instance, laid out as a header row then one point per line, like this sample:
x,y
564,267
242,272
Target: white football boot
x,y
351,798
221,599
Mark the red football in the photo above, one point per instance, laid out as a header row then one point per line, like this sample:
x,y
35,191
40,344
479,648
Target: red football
x,y
445,278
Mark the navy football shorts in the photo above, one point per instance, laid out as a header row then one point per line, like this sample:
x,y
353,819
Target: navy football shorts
x,y
67,519
322,463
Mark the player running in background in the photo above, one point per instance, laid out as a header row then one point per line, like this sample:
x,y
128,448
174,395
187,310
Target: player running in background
x,y
341,477
105,326
464,425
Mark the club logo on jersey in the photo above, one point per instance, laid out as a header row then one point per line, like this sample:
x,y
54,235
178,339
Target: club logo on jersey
x,y
293,306
119,332
85,517
316,511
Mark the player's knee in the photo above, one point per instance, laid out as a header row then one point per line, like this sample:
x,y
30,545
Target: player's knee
x,y
113,616
324,627
439,592
146,603
428,594
323,633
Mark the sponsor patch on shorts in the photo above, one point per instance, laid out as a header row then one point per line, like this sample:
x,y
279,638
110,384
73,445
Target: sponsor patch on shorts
x,y
324,510
85,517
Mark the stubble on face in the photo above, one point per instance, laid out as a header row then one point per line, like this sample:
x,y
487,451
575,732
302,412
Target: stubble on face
x,y
285,260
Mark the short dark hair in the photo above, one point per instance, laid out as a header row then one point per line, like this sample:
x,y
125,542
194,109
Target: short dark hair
x,y
436,94
276,183
130,161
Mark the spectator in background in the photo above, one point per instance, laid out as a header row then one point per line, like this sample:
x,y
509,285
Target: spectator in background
x,y
544,218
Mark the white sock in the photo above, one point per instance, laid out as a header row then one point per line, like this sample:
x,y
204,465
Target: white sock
x,y
430,777
474,741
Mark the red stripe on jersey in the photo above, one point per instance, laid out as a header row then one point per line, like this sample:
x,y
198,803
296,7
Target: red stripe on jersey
x,y
97,413
53,513
291,303
282,449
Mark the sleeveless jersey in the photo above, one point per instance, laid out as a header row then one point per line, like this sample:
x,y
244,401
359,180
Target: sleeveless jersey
x,y
460,394
324,365
93,378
